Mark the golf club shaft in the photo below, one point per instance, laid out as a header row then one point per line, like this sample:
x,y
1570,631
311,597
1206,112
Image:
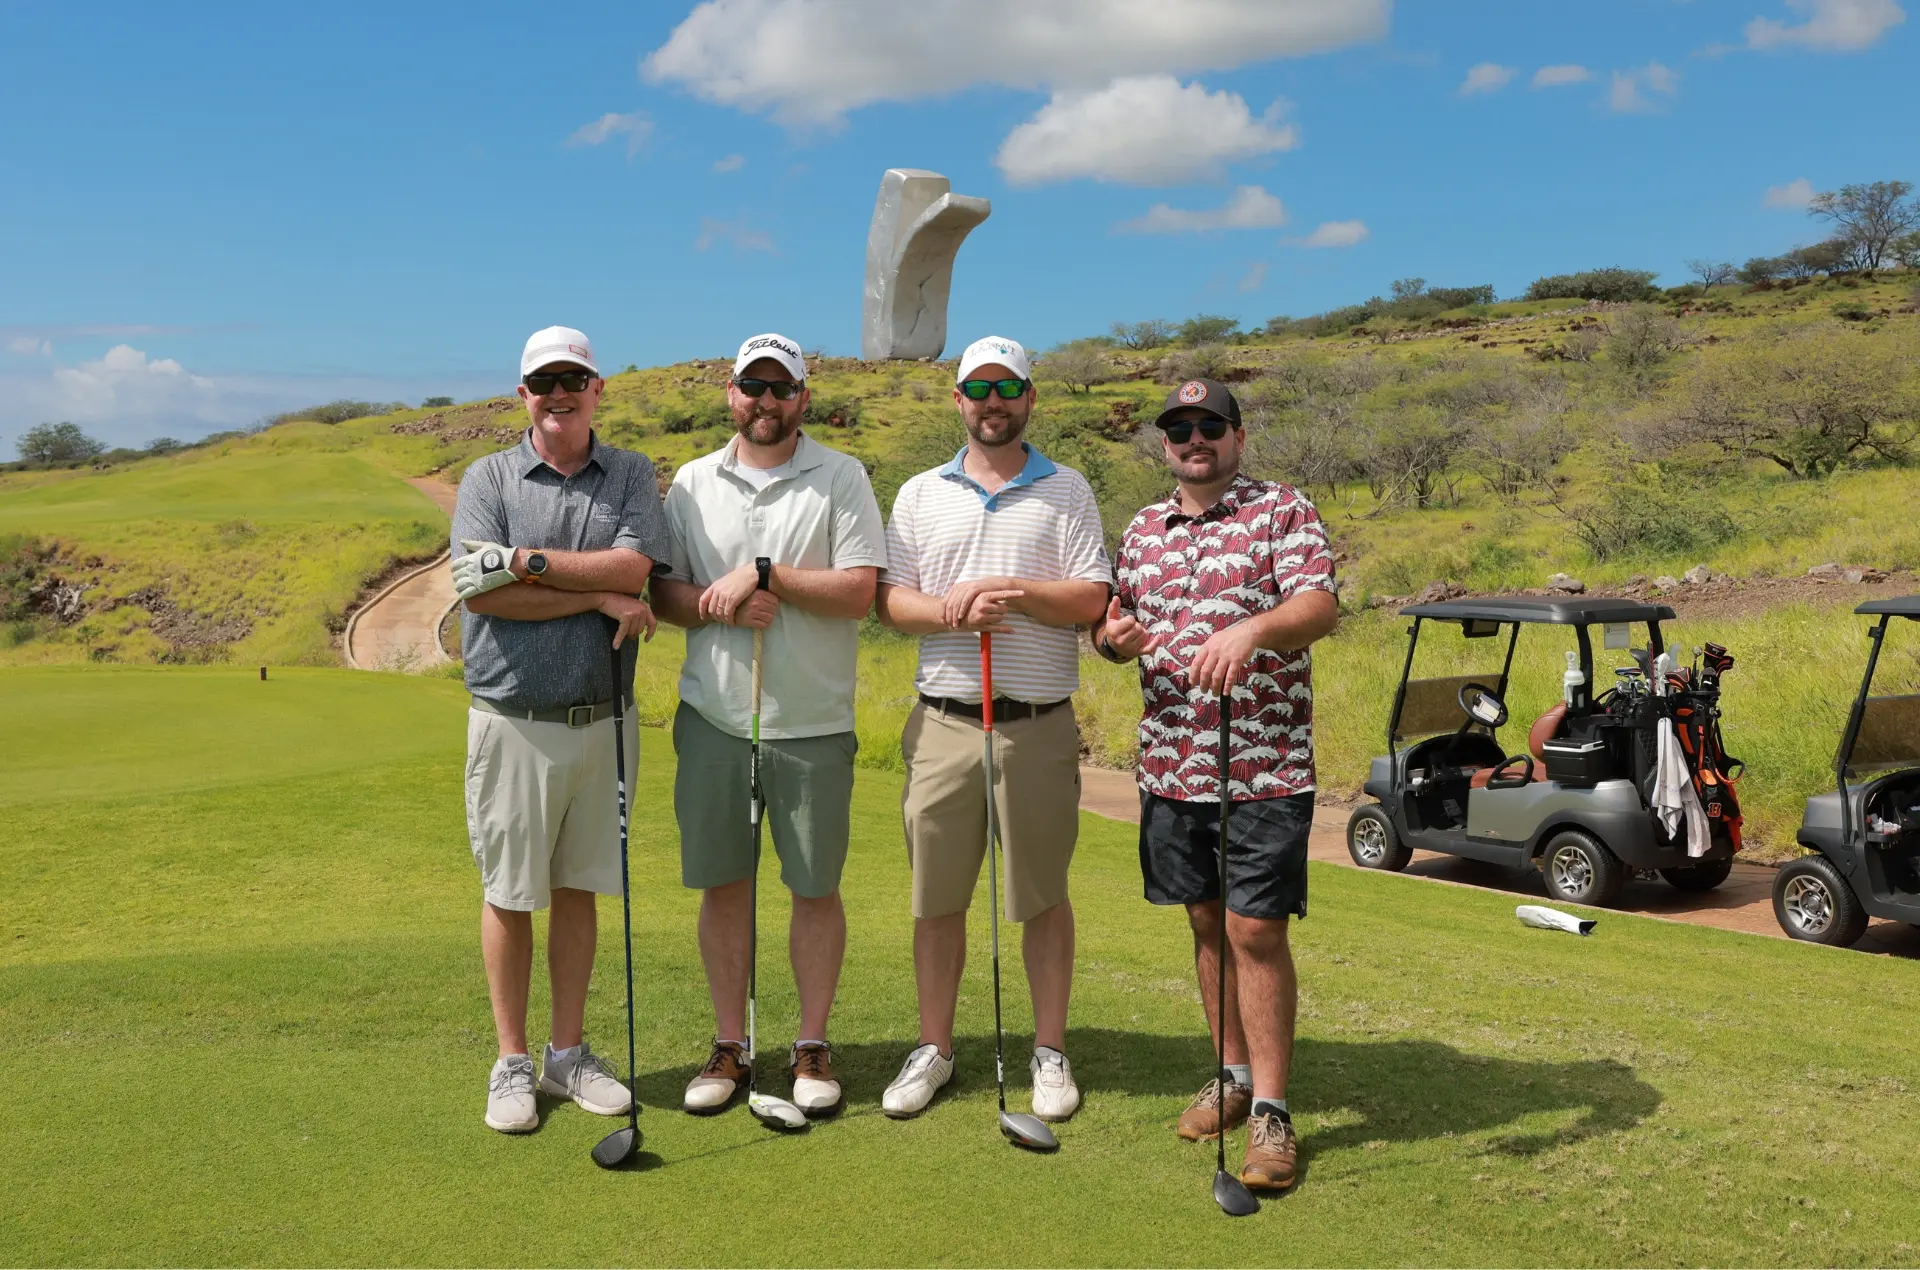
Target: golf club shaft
x,y
1220,997
753,888
626,889
993,872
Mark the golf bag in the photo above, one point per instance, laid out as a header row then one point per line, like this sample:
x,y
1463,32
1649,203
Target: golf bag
x,y
1693,697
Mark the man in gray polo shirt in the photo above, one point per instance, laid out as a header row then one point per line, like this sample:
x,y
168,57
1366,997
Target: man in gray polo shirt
x,y
772,533
553,540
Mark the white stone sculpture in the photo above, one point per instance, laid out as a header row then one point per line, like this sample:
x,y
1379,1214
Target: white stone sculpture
x,y
918,226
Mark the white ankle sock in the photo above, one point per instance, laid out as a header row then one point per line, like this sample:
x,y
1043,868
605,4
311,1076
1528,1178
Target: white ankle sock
x,y
1240,1073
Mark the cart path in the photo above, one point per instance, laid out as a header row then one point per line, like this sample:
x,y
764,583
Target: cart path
x,y
1744,902
400,628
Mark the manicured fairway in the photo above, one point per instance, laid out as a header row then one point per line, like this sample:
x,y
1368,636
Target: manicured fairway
x,y
245,1023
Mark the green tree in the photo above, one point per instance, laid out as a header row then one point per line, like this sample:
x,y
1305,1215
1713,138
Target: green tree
x,y
436,403
50,443
1078,366
1869,217
1208,328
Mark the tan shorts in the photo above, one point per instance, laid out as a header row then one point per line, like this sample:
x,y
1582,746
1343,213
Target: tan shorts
x,y
1036,791
542,810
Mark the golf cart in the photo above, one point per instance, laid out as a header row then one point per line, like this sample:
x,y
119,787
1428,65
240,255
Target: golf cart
x,y
1581,798
1866,836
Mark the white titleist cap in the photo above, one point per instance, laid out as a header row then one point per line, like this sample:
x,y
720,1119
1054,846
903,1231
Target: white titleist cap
x,y
557,344
994,351
779,348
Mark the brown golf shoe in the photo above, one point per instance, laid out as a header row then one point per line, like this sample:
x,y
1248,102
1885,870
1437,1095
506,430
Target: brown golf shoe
x,y
816,1090
1200,1122
721,1080
1271,1146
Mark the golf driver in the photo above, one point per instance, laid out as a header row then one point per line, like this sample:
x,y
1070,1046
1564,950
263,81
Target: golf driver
x,y
1229,1192
775,1113
619,1146
1021,1129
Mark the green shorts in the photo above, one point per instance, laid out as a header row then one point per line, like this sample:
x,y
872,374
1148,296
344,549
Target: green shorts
x,y
809,790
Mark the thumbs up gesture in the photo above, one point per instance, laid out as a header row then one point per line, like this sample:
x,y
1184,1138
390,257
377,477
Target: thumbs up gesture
x,y
1124,634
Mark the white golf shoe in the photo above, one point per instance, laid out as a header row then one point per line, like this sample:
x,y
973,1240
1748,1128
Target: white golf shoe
x,y
585,1079
510,1104
920,1078
1055,1096
816,1090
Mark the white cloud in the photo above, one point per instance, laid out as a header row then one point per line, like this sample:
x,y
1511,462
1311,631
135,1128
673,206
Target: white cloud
x,y
1251,207
1560,76
732,163
29,346
1794,196
1487,77
1334,233
1625,97
833,58
635,128
736,234
1254,278
1144,130
1832,26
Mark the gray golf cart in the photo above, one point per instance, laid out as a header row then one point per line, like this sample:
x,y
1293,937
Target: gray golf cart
x,y
1573,799
1866,835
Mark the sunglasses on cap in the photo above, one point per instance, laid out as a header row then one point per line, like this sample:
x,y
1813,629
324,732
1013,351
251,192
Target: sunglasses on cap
x,y
1182,432
979,389
540,382
782,389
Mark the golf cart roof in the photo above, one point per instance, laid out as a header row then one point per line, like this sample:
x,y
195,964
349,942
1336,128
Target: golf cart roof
x,y
1898,606
1573,610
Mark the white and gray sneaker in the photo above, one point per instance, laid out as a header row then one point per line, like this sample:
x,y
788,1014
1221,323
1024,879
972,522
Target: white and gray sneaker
x,y
510,1104
921,1076
1055,1096
585,1079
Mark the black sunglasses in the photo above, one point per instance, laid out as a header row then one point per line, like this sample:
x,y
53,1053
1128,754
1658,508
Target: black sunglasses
x,y
1182,432
540,383
978,389
782,389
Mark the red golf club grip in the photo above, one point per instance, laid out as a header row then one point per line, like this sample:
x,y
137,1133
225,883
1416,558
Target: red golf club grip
x,y
986,681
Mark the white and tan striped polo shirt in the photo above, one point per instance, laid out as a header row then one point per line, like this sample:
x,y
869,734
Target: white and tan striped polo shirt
x,y
1043,524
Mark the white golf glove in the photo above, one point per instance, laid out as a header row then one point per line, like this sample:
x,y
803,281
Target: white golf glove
x,y
482,569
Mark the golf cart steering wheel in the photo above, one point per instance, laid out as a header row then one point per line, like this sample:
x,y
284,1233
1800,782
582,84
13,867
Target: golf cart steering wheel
x,y
1479,704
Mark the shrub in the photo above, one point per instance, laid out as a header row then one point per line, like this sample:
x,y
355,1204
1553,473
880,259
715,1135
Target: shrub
x,y
835,412
1078,366
708,414
336,412
1853,311
1759,269
436,403
1149,334
1612,284
1207,328
51,443
1652,513
1461,297
1204,361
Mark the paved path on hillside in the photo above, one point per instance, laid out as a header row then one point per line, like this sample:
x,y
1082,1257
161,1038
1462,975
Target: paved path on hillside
x,y
399,629
1744,902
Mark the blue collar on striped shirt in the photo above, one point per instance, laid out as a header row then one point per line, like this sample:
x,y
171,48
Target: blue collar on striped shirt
x,y
1038,467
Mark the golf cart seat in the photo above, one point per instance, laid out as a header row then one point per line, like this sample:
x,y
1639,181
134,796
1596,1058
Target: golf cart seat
x,y
1544,729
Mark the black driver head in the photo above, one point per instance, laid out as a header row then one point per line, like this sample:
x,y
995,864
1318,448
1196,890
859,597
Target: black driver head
x,y
617,1147
1232,1195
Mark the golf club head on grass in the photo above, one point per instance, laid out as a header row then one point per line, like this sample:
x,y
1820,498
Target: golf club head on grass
x,y
617,1147
776,1113
1232,1195
1028,1131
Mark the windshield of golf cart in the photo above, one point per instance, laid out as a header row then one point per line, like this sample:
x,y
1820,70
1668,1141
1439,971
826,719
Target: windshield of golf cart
x,y
1451,655
1890,724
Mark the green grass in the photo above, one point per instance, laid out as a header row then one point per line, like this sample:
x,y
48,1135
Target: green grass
x,y
246,1024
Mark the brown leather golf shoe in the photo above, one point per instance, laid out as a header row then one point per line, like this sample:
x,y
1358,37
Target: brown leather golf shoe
x,y
1200,1122
1271,1146
720,1082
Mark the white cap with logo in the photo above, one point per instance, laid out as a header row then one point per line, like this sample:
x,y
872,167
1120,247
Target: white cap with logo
x,y
557,344
994,350
779,348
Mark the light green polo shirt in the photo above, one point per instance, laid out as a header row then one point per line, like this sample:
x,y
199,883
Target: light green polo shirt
x,y
819,513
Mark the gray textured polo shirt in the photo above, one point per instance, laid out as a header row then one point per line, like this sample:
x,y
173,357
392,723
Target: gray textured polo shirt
x,y
513,498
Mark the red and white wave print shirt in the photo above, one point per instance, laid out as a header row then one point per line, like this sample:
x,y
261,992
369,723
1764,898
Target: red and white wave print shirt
x,y
1187,577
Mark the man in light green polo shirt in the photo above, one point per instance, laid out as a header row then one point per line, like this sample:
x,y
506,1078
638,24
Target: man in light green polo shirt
x,y
772,494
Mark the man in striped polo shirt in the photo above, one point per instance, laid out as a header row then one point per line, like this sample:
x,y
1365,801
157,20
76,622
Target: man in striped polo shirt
x,y
998,540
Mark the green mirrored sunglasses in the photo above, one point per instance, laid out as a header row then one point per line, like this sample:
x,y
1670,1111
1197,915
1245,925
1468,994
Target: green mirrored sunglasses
x,y
978,389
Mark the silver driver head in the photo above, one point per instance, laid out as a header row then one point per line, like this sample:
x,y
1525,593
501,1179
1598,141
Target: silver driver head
x,y
1028,1131
1232,1195
776,1113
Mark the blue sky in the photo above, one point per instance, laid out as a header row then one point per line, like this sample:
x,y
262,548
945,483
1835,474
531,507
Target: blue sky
x,y
214,211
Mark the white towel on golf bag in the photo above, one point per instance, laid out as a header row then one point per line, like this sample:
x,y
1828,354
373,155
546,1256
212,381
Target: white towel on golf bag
x,y
1674,799
1553,919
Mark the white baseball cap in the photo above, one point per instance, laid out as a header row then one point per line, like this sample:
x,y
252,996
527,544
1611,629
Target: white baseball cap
x,y
557,344
779,348
994,350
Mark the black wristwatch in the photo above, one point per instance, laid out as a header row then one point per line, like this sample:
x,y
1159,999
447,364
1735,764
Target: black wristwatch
x,y
764,565
1105,649
536,565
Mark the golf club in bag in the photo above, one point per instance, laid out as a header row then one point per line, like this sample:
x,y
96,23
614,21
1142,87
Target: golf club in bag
x,y
1021,1129
619,1146
775,1113
1229,1192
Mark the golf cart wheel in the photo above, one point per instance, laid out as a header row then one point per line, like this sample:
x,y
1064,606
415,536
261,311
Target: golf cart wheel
x,y
1580,870
1699,877
1811,901
1372,841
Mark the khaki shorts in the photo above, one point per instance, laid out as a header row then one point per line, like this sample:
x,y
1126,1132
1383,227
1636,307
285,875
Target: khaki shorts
x,y
542,810
808,784
1036,790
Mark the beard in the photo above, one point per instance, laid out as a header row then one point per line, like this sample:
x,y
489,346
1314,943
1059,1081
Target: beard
x,y
995,429
763,429
1205,465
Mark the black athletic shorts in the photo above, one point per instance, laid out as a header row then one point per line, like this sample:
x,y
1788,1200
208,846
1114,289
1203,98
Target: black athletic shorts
x,y
1266,853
